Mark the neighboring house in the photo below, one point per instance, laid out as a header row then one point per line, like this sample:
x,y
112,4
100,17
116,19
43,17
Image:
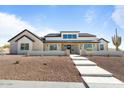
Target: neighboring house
x,y
72,40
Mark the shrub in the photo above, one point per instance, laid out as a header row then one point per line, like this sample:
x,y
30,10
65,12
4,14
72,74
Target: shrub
x,y
17,62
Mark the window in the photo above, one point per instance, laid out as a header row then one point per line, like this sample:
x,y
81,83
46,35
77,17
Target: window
x,y
88,47
53,47
101,47
69,36
65,36
25,46
74,36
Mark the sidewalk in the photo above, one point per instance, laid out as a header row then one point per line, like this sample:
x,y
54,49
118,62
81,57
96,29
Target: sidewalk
x,y
94,76
38,84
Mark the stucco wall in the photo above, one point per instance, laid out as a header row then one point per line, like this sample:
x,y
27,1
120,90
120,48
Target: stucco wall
x,y
24,40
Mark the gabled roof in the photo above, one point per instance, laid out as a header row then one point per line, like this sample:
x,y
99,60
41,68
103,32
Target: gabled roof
x,y
103,39
23,32
26,37
80,35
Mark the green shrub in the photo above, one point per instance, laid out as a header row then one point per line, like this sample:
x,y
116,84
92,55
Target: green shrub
x,y
17,62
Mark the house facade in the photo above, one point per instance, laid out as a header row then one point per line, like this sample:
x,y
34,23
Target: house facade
x,y
71,40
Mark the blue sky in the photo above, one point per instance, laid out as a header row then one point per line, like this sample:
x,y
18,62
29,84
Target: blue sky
x,y
99,20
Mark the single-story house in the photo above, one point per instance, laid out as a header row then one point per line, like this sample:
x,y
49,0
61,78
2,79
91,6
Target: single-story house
x,y
72,40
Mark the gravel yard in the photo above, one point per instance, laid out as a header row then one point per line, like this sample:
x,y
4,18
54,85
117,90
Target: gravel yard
x,y
114,65
45,68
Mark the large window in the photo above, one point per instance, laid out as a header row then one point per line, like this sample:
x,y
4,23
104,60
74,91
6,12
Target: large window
x,y
53,47
69,36
101,47
88,47
24,46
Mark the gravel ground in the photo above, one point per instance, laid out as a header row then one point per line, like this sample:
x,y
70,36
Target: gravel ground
x,y
45,68
114,65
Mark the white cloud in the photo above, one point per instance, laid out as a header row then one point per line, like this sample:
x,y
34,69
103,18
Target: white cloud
x,y
89,16
11,25
118,16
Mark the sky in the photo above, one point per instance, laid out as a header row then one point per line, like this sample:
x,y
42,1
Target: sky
x,y
100,20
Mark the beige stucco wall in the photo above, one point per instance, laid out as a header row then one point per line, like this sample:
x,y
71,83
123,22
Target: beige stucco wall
x,y
24,40
36,46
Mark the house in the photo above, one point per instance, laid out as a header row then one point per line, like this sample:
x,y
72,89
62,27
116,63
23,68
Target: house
x,y
72,40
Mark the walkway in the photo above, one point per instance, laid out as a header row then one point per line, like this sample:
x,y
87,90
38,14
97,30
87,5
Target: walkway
x,y
94,76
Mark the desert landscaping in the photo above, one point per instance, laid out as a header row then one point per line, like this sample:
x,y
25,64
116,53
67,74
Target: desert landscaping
x,y
45,68
115,65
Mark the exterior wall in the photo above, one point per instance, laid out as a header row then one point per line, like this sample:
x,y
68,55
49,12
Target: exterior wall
x,y
37,45
24,40
78,38
104,43
75,46
13,47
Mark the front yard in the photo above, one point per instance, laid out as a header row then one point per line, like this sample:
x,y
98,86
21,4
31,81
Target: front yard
x,y
45,68
114,65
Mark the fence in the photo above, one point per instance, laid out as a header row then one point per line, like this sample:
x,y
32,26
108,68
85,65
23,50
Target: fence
x,y
47,53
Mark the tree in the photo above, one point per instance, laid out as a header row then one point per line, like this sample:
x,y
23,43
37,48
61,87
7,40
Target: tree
x,y
116,40
6,46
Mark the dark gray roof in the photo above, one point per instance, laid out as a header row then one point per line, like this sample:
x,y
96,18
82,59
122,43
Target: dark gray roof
x,y
53,35
103,39
72,41
80,35
69,31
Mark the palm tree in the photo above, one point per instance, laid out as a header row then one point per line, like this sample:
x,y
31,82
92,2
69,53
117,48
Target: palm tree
x,y
116,40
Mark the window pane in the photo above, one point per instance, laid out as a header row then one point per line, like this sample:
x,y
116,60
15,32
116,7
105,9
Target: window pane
x,y
69,36
74,36
65,36
26,46
101,47
22,47
88,47
53,47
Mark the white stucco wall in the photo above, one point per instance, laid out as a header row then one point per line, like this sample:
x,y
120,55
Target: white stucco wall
x,y
24,40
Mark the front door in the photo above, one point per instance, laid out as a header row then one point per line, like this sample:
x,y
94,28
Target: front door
x,y
73,49
69,47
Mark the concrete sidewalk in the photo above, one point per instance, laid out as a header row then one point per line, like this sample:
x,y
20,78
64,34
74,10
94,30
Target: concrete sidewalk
x,y
94,76
39,84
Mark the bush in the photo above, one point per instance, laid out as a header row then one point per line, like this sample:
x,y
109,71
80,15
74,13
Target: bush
x,y
17,62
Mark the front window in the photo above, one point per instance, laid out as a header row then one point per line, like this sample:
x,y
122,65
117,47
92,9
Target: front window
x,y
65,36
24,46
69,36
88,47
53,47
101,47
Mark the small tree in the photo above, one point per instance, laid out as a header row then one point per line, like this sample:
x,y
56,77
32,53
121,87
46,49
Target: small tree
x,y
116,40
